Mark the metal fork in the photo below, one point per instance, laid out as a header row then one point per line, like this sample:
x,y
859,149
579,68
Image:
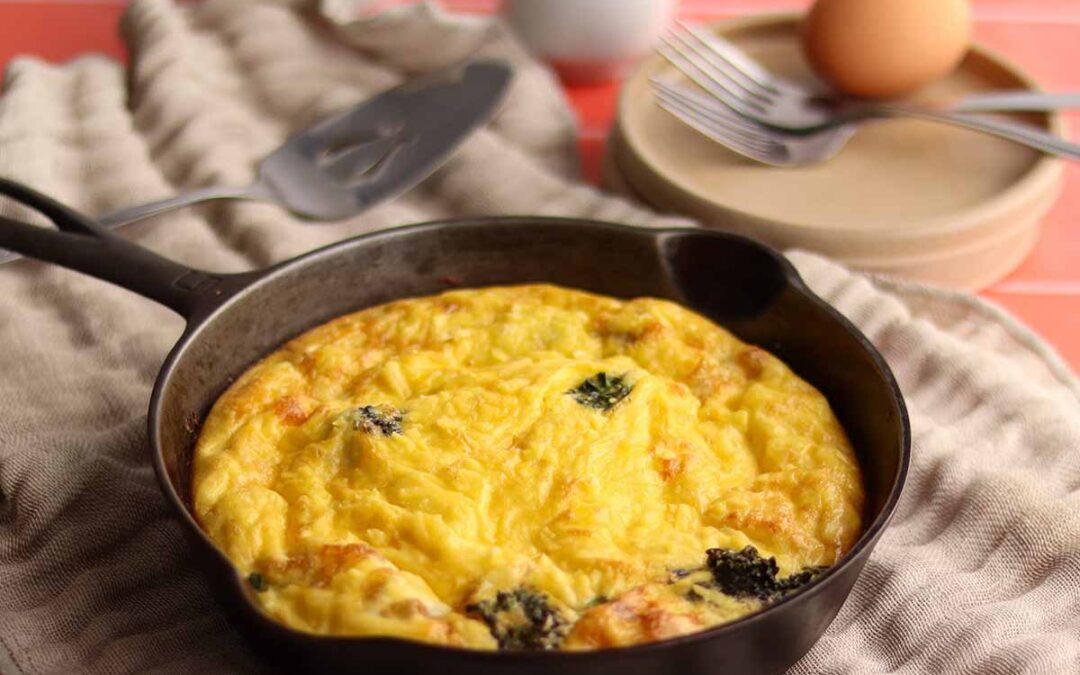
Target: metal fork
x,y
745,87
761,144
749,139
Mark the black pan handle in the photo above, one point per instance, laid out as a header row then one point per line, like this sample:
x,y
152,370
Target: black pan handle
x,y
84,246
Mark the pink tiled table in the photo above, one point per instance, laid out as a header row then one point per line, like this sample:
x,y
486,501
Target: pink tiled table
x,y
1043,37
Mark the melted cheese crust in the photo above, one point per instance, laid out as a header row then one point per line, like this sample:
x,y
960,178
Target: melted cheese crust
x,y
499,479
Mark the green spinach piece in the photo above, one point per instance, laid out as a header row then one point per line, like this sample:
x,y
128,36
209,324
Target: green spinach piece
x,y
258,582
745,574
382,420
522,619
601,391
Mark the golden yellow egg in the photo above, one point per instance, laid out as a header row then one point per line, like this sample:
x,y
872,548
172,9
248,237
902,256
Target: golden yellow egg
x,y
451,468
886,48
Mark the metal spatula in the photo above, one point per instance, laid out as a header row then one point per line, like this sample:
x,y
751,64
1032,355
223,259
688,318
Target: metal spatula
x,y
369,153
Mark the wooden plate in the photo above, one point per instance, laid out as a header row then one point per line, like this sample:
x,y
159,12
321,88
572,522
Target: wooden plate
x,y
914,199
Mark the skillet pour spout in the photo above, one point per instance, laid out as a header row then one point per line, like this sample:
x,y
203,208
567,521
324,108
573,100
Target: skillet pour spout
x,y
235,319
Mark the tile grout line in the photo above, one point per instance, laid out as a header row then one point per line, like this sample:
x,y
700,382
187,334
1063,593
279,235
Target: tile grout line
x,y
65,2
987,15
710,10
706,9
592,134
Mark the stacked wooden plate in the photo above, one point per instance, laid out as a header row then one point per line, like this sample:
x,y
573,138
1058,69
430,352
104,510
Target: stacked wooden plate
x,y
909,198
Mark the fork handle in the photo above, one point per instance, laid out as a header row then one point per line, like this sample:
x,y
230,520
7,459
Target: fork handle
x,y
1013,131
132,214
1016,101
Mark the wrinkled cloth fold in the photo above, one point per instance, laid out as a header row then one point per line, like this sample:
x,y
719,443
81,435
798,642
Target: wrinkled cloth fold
x,y
979,572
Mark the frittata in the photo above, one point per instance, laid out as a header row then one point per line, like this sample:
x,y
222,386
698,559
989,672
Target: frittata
x,y
525,467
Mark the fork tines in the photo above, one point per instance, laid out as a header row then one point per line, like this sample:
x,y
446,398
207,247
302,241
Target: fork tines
x,y
721,69
698,111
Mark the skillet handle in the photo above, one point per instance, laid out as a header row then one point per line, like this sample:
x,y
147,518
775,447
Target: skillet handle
x,y
84,246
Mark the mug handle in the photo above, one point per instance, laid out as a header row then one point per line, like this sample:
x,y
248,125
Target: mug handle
x,y
81,244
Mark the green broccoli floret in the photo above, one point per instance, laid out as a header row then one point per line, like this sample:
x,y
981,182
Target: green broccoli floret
x,y
601,391
371,419
522,619
745,574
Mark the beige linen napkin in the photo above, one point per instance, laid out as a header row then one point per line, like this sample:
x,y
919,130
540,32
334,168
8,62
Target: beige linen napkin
x,y
979,573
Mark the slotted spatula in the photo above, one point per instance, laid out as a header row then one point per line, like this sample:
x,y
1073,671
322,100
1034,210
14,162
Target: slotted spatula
x,y
366,154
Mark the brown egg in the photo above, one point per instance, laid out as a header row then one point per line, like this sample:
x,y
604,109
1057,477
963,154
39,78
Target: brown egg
x,y
886,48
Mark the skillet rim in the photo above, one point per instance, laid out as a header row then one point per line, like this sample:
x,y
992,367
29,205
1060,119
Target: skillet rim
x,y
235,287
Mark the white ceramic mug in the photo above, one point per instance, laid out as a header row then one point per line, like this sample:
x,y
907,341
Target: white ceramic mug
x,y
589,40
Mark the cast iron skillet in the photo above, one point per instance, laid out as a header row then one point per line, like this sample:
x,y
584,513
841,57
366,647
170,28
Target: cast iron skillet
x,y
234,319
